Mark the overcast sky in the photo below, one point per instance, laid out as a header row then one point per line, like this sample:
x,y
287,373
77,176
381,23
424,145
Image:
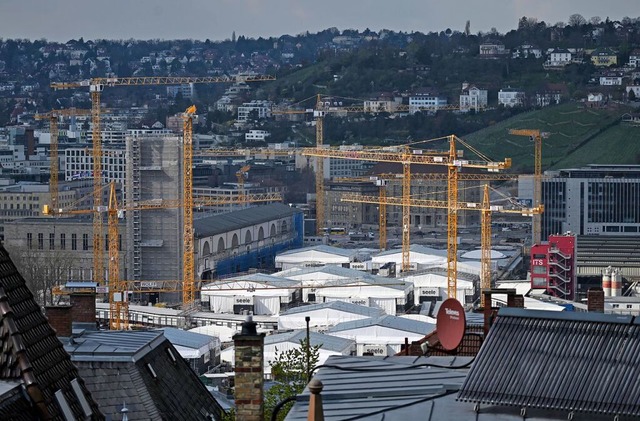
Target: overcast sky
x,y
62,20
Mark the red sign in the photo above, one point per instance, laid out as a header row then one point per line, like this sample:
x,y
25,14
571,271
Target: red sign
x,y
451,324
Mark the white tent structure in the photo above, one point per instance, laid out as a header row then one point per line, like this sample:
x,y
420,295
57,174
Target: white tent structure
x,y
315,256
418,256
257,293
387,294
224,333
329,345
314,277
383,335
433,287
325,315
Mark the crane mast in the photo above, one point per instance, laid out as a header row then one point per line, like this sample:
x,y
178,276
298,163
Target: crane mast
x,y
188,272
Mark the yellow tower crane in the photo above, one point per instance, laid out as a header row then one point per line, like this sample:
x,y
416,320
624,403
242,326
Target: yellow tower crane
x,y
323,106
536,136
53,117
242,174
188,270
407,156
117,287
485,207
382,179
96,86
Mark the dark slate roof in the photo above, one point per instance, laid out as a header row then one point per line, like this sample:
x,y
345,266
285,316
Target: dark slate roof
x,y
218,224
573,362
31,352
372,388
187,339
119,371
13,404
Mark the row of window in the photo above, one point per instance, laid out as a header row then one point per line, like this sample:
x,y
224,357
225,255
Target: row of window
x,y
63,241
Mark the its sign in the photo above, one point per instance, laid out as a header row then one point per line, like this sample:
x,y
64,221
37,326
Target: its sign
x,y
241,300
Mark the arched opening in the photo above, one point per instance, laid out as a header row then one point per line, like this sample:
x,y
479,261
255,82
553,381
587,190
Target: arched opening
x,y
284,227
272,232
220,245
261,234
247,237
206,250
234,241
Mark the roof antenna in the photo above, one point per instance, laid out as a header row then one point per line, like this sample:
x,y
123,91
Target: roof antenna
x,y
124,411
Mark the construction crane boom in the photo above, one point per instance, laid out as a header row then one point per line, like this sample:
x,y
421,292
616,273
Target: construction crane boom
x,y
188,269
537,177
485,207
407,156
96,86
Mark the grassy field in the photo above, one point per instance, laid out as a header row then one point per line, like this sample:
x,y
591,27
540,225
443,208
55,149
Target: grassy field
x,y
575,136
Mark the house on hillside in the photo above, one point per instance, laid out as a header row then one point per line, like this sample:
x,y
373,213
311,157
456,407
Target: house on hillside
x,y
473,98
526,51
510,97
635,89
634,58
611,79
604,57
492,48
551,94
426,101
558,57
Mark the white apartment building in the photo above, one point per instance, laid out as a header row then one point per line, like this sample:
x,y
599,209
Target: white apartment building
x,y
429,102
256,136
473,98
610,80
261,107
559,57
78,164
511,97
187,90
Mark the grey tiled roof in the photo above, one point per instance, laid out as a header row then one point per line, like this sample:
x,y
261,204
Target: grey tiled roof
x,y
31,352
186,339
327,342
336,305
392,322
225,222
146,373
564,361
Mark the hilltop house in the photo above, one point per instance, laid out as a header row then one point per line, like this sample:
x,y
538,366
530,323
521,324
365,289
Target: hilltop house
x,y
473,98
509,97
634,58
492,49
558,57
604,57
526,51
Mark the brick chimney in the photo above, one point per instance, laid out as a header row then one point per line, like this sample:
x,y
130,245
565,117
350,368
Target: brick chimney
x,y
60,318
83,309
249,372
595,300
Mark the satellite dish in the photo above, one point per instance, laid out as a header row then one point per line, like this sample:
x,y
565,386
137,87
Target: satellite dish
x,y
450,324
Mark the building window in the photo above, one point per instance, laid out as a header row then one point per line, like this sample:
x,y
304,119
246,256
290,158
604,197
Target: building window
x,y
85,241
74,242
52,241
29,240
63,241
40,241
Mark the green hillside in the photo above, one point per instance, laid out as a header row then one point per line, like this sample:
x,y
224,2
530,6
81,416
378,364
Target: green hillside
x,y
575,136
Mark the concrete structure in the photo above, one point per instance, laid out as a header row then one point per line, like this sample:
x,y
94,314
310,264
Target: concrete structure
x,y
350,215
186,90
261,109
245,239
154,171
256,136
